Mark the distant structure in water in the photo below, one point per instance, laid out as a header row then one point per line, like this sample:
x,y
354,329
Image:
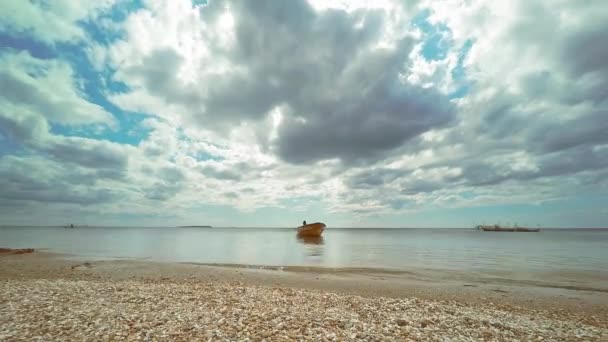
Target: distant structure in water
x,y
498,228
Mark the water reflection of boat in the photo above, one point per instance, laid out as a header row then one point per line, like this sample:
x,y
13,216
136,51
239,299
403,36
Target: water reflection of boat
x,y
311,240
313,245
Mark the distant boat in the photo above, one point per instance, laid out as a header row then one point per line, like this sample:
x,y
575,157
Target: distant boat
x,y
497,228
311,229
194,227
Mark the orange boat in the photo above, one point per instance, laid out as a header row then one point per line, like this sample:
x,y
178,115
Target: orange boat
x,y
311,229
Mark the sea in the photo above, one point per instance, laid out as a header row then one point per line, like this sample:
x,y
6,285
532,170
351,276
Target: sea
x,y
578,257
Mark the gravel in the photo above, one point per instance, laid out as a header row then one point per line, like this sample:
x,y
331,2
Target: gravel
x,y
101,310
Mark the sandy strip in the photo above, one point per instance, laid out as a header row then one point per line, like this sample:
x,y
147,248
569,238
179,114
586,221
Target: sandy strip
x,y
58,298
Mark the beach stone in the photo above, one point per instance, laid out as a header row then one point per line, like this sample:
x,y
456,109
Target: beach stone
x,y
486,333
425,322
402,322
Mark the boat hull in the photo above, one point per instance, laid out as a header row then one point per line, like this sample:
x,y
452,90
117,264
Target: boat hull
x,y
311,230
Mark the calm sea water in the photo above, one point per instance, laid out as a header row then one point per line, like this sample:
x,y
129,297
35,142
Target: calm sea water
x,y
574,254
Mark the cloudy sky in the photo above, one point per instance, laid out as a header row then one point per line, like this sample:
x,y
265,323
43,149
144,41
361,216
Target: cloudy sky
x,y
264,113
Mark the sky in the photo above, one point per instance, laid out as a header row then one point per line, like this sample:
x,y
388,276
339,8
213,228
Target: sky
x,y
446,113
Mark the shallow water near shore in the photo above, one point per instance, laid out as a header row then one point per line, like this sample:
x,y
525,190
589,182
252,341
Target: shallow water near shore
x,y
576,258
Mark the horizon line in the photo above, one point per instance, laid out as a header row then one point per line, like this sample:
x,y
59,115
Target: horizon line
x,y
259,227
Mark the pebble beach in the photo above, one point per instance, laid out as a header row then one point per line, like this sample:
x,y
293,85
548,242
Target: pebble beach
x,y
63,302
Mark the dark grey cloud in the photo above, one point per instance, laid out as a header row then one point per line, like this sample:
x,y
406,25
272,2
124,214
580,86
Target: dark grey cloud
x,y
544,125
562,163
546,141
32,132
59,195
70,174
21,129
30,100
597,181
231,195
415,186
589,129
399,204
340,93
500,119
86,152
480,173
153,151
569,69
363,130
234,171
586,51
40,180
221,173
170,180
374,177
558,115
583,55
158,74
17,91
572,161
346,91
162,191
171,174
487,169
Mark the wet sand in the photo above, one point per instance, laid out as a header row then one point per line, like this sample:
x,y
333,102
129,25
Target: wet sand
x,y
557,307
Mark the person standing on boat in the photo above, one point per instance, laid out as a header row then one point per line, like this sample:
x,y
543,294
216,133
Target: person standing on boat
x,y
304,223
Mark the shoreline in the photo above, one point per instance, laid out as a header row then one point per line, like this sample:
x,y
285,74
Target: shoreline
x,y
394,283
575,281
70,275
429,275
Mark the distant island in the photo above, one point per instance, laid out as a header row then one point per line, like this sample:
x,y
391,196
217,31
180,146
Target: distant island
x,y
194,227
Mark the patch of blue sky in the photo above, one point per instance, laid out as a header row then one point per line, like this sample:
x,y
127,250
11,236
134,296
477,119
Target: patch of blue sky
x,y
130,130
199,2
103,28
459,74
94,84
121,10
460,92
204,156
436,37
437,43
